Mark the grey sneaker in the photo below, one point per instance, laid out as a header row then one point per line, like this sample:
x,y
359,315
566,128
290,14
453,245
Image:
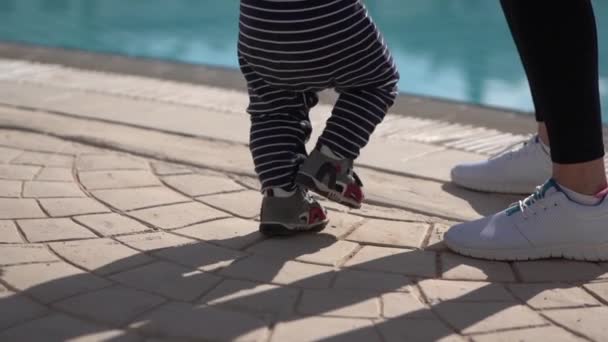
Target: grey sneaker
x,y
285,216
331,178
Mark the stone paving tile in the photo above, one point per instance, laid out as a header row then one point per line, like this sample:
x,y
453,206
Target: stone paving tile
x,y
438,164
51,282
314,248
464,268
199,185
335,329
15,308
390,233
553,334
111,224
44,189
57,174
11,208
244,204
53,229
168,280
233,233
405,329
371,211
252,183
18,172
599,289
8,154
44,159
341,224
252,297
372,281
435,242
101,256
10,188
116,305
101,162
165,169
486,317
72,206
437,291
59,327
22,253
559,270
268,270
343,303
406,305
154,241
201,255
181,320
95,180
32,141
130,199
448,199
177,215
404,261
9,232
553,295
590,322
383,153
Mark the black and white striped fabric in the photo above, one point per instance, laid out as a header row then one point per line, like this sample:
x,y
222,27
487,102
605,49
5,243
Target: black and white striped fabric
x,y
291,49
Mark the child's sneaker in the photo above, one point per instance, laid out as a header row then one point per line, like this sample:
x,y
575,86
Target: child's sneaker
x,y
291,214
331,177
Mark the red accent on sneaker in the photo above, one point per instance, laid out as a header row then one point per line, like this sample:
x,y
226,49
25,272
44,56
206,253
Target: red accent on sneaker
x,y
338,168
355,192
316,215
602,193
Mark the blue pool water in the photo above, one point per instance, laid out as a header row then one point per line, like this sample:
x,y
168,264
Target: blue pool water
x,y
459,50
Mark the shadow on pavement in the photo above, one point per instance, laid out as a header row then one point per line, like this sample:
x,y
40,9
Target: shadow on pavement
x,y
483,203
393,328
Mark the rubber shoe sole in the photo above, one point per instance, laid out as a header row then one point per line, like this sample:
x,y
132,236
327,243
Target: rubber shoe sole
x,y
572,252
278,229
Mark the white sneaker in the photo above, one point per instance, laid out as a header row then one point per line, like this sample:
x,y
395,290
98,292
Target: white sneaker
x,y
545,225
514,171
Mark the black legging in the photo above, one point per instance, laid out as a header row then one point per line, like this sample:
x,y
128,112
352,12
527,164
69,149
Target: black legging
x,y
557,42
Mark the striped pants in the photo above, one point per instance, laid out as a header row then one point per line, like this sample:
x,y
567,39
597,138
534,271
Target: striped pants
x,y
290,50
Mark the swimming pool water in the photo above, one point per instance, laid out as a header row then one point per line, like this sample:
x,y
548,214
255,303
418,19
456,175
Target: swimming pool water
x,y
459,50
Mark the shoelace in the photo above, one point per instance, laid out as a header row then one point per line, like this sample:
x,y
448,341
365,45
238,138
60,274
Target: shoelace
x,y
307,195
357,179
526,204
510,149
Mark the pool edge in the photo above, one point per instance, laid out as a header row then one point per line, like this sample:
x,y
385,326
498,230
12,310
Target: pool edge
x,y
511,121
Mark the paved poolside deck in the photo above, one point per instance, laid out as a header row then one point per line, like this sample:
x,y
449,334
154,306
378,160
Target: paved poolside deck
x,y
128,208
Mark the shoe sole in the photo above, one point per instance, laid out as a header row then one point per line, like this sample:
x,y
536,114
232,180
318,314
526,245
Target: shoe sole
x,y
313,184
278,229
589,253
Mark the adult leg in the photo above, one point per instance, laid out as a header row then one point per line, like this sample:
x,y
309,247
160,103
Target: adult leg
x,y
558,46
557,43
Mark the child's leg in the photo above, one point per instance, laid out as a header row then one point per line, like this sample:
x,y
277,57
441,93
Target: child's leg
x,y
280,127
365,97
355,116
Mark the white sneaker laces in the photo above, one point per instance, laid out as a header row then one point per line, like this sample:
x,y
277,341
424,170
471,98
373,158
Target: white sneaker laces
x,y
526,206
